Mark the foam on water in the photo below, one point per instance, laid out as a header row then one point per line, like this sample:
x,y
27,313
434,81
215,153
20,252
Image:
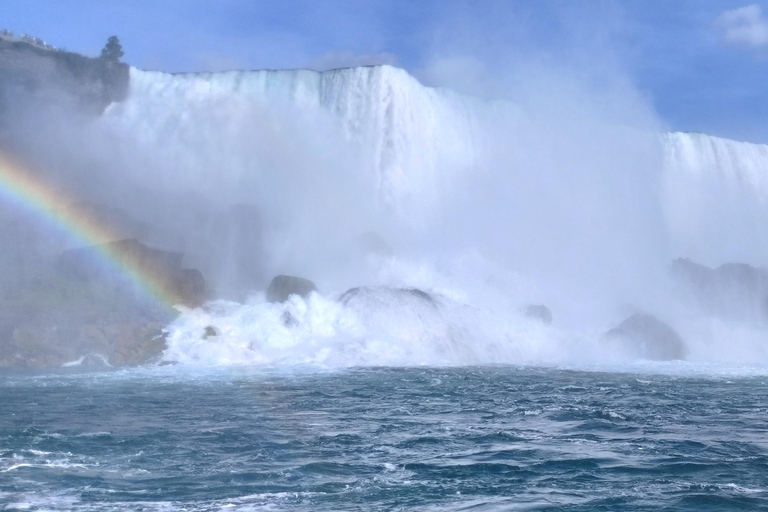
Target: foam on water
x,y
392,330
389,331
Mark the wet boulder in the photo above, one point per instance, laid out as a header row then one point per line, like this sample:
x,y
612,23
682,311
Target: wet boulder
x,y
282,287
538,312
409,315
188,284
367,293
647,337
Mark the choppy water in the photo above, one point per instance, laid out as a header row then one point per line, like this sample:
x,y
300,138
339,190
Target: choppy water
x,y
501,438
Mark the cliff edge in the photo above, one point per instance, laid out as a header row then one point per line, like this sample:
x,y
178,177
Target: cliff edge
x,y
32,71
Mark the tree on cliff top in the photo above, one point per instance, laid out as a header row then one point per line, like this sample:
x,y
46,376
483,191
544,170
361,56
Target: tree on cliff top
x,y
113,50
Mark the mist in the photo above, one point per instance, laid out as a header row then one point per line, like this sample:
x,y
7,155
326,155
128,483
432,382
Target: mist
x,y
488,177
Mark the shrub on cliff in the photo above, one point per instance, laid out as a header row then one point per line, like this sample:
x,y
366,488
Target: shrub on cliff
x,y
113,50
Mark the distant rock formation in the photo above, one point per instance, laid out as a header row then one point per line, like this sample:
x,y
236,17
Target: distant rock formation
x,y
734,291
58,320
282,287
113,344
87,313
647,337
120,223
162,268
538,312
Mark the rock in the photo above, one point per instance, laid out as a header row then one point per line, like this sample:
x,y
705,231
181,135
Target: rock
x,y
59,321
288,319
88,262
94,333
538,312
88,345
282,287
119,223
189,286
409,315
90,361
135,343
37,346
162,268
734,291
209,332
648,337
365,292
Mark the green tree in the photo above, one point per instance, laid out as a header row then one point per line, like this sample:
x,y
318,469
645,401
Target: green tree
x,y
113,50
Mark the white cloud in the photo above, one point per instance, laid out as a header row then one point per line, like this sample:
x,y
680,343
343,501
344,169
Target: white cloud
x,y
335,60
745,26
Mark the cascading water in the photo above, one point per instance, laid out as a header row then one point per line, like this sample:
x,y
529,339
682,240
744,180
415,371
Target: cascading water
x,y
486,205
715,193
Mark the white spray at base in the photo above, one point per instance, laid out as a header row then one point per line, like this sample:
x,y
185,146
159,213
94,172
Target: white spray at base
x,y
394,326
369,326
485,205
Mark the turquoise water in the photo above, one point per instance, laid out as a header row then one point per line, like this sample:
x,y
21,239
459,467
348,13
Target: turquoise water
x,y
498,438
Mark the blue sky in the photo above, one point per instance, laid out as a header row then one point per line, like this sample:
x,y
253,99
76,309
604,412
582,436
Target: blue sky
x,y
702,64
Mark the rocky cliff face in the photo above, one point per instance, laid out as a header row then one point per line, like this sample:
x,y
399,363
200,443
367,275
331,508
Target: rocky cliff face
x,y
86,313
29,71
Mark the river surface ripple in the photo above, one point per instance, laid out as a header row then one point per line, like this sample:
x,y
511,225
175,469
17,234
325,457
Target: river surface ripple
x,y
498,438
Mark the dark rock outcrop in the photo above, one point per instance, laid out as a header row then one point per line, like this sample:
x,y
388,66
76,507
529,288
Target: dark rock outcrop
x,y
189,287
60,320
282,287
734,291
117,344
648,337
89,314
538,312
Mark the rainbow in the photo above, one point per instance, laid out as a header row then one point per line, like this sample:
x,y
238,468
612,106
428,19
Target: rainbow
x,y
21,187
